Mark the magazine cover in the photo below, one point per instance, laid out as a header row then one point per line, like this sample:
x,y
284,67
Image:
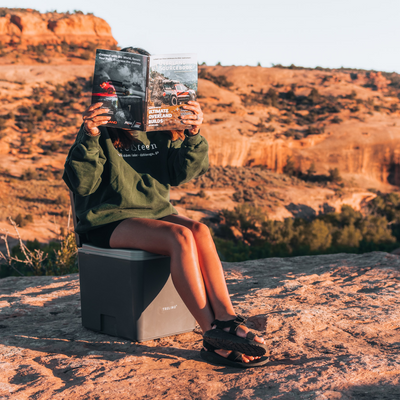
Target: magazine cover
x,y
119,82
172,82
144,93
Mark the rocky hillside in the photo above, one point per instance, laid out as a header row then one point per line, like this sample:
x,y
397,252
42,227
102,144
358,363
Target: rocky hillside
x,y
342,119
260,122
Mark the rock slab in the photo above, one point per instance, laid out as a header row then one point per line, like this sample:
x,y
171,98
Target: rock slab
x,y
332,323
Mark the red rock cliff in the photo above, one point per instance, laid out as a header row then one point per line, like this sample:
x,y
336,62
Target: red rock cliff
x,y
31,27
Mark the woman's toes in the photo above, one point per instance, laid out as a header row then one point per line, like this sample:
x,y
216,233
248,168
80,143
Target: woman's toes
x,y
259,340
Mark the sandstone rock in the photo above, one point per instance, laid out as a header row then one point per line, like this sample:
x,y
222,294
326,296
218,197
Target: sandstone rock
x,y
29,27
332,324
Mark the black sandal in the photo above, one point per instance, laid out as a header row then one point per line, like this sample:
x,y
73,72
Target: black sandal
x,y
234,359
221,339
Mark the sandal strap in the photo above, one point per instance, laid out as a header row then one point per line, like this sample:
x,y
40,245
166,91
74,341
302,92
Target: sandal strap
x,y
250,336
235,356
232,324
209,346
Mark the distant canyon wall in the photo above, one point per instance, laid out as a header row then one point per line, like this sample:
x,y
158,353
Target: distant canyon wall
x,y
378,159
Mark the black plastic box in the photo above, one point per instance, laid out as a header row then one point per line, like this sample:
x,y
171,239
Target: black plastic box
x,y
130,294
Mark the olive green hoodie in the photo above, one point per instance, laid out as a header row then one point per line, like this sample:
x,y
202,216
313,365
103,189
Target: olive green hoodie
x,y
111,184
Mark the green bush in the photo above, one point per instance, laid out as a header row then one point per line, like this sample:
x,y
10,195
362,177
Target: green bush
x,y
247,233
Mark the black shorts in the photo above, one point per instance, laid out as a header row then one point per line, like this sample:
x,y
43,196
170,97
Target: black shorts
x,y
100,236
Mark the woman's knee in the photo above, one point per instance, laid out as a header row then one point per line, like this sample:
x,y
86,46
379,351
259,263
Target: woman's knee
x,y
182,237
200,230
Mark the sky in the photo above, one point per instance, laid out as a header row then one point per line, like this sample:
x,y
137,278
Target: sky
x,y
327,33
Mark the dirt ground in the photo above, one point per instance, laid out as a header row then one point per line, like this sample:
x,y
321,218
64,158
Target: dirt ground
x,y
332,324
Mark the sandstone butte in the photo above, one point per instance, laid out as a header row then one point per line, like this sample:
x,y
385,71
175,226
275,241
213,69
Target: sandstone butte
x,y
332,324
29,27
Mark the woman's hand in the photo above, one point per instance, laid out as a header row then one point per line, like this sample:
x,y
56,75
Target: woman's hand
x,y
195,119
92,118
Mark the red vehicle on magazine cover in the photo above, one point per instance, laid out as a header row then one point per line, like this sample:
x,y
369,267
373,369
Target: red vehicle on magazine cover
x,y
172,93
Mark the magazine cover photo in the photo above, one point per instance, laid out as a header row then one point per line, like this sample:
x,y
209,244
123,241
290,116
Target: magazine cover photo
x,y
172,82
119,82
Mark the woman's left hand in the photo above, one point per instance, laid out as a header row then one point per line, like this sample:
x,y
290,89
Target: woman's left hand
x,y
195,119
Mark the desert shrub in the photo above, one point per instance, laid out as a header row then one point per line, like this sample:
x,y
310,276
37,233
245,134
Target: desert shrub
x,y
314,96
87,55
39,49
312,130
336,120
349,236
29,174
35,258
202,194
289,168
334,175
3,123
312,170
54,146
23,221
219,80
91,46
62,199
64,261
244,195
73,46
247,233
64,47
318,235
271,98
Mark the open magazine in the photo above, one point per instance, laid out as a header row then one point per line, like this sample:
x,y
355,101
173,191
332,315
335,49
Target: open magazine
x,y
144,93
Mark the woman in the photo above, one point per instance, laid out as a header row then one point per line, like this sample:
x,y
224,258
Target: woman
x,y
121,181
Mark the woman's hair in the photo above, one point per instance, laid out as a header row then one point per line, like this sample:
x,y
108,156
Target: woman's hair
x,y
122,138
136,50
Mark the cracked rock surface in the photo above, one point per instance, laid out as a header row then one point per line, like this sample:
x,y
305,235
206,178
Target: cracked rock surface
x,y
332,323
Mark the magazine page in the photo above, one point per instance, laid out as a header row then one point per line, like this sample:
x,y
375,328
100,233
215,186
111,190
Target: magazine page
x,y
119,82
172,83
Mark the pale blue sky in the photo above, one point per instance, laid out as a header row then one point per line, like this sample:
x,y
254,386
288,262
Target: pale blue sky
x,y
329,33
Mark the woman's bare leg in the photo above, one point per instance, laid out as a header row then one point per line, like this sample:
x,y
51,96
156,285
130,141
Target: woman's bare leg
x,y
211,267
176,241
212,271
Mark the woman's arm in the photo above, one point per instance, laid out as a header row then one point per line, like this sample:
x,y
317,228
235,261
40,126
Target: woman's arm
x,y
84,164
189,158
85,160
187,161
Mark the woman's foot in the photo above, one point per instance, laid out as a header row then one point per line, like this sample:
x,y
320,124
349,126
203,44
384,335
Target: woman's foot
x,y
225,354
241,331
230,358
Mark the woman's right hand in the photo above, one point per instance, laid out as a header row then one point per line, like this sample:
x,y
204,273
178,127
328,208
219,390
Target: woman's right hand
x,y
92,118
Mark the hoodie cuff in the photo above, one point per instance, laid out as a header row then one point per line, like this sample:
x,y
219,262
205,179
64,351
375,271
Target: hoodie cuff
x,y
193,139
87,140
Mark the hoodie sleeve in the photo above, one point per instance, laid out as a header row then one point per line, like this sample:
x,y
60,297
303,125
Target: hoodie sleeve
x,y
187,159
84,164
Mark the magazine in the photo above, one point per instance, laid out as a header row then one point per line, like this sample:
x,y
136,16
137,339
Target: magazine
x,y
144,93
